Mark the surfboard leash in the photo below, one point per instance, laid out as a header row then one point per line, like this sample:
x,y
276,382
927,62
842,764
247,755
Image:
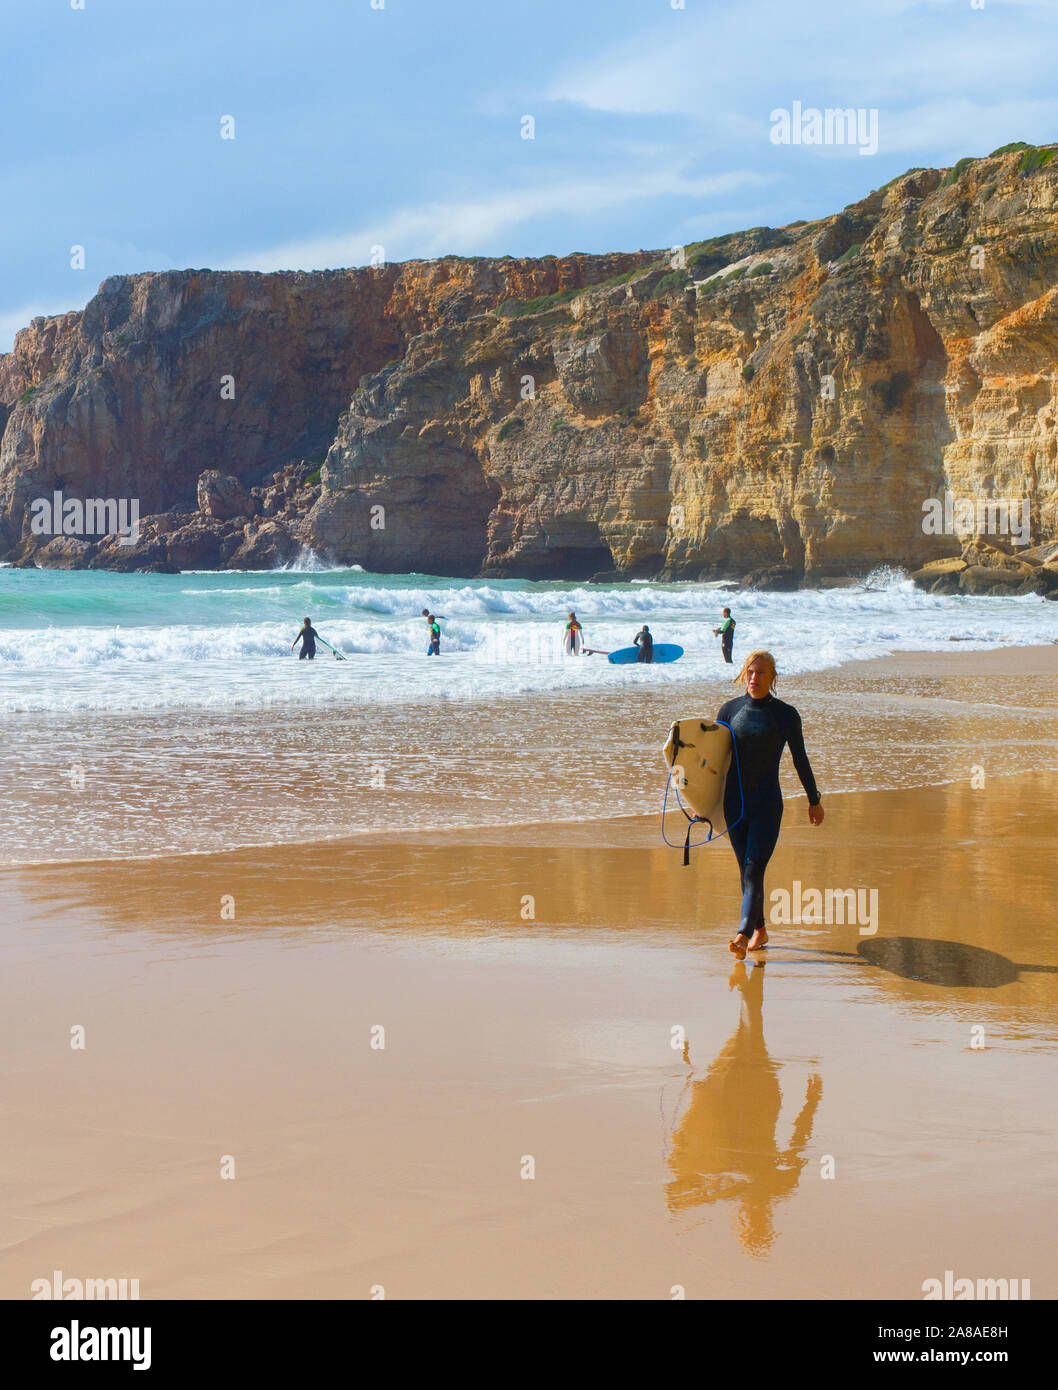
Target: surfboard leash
x,y
693,820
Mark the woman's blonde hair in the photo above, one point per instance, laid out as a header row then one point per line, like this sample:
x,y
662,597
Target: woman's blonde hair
x,y
764,656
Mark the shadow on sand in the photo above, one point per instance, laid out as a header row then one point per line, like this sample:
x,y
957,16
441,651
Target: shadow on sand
x,y
944,963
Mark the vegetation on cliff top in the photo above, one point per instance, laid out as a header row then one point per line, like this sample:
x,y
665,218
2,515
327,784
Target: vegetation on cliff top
x,y
915,169
702,259
1033,157
957,170
519,308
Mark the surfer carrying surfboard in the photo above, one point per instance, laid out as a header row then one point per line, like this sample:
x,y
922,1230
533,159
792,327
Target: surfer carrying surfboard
x,y
762,727
571,643
307,637
645,643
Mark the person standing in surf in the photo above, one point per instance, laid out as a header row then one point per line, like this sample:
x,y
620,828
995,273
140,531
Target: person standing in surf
x,y
307,637
645,643
726,633
762,726
434,628
574,636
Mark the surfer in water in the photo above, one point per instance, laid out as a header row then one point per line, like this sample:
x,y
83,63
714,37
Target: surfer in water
x,y
574,636
726,633
307,637
762,727
645,643
434,628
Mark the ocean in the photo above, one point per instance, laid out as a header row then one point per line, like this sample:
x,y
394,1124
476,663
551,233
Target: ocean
x,y
92,640
162,714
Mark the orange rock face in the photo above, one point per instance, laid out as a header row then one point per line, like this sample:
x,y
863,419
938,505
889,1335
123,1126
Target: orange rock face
x,y
790,397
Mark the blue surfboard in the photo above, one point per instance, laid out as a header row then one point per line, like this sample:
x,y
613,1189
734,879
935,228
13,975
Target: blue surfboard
x,y
663,651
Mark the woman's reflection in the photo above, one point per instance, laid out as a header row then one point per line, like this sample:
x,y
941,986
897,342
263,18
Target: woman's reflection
x,y
725,1148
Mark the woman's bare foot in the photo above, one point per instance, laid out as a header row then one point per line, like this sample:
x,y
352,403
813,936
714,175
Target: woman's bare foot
x,y
737,947
758,940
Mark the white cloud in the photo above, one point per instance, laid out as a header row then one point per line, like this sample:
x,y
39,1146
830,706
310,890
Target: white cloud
x,y
873,53
966,126
465,228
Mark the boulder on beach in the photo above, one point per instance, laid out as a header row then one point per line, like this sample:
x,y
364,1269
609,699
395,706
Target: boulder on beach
x,y
778,579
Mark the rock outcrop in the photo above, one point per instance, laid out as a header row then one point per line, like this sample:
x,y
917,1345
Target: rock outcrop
x,y
223,497
989,569
784,403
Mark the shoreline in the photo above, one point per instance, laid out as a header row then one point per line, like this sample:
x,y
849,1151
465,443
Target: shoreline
x,y
1038,656
938,687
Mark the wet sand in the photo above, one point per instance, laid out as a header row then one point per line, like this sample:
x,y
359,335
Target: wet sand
x,y
680,1112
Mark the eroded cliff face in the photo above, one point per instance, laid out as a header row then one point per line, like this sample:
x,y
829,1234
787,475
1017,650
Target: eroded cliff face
x,y
792,401
790,398
164,376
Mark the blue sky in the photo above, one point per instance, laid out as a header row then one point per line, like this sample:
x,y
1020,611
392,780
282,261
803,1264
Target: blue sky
x,y
401,127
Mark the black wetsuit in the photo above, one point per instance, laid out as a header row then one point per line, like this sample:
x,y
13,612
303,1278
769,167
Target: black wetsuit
x,y
308,637
761,728
645,643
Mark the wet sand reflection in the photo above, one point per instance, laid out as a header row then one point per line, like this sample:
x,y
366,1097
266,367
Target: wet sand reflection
x,y
726,1147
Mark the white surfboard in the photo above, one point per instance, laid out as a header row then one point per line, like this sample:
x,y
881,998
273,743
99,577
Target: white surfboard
x,y
571,642
698,754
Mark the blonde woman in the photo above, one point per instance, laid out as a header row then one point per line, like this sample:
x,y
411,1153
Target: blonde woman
x,y
762,727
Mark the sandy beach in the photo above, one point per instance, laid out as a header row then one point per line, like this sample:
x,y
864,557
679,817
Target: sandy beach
x,y
580,1094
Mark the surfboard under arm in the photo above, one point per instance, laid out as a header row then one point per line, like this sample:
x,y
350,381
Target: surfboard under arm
x,y
699,754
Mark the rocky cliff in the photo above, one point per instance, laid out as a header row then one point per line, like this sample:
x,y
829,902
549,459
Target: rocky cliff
x,y
786,398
